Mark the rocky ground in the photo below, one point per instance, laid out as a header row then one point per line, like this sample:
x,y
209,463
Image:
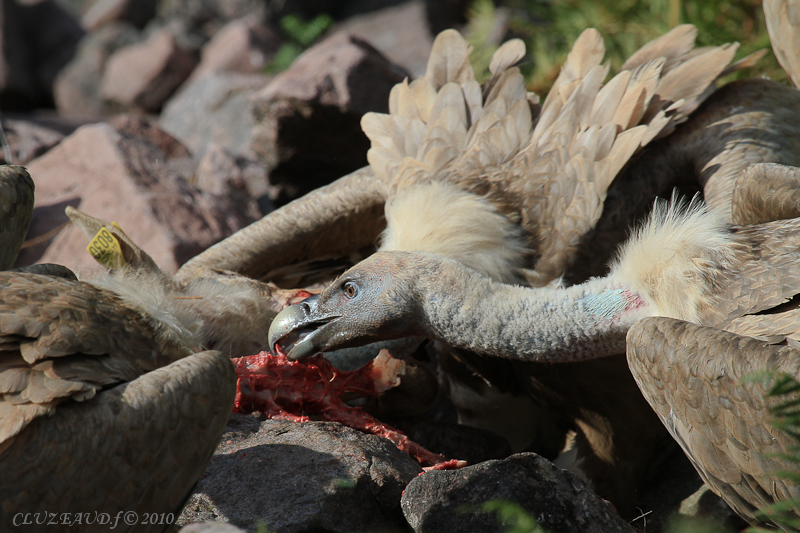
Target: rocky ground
x,y
160,116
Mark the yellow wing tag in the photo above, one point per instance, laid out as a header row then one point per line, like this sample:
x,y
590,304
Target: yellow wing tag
x,y
106,250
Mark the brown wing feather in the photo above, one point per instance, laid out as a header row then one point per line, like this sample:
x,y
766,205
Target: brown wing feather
x,y
722,138
766,274
562,177
783,25
691,375
765,192
61,339
141,445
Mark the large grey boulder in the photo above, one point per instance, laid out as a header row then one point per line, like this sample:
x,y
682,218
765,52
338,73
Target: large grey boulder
x,y
313,476
560,502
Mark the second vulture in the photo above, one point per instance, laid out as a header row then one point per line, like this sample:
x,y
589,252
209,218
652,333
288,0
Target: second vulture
x,y
493,204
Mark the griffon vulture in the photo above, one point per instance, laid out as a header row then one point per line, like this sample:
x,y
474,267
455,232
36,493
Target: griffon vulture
x,y
483,181
687,263
695,377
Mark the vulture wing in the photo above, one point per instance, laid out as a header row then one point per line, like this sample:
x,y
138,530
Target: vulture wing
x,y
692,376
748,300
137,446
783,25
62,339
765,192
547,170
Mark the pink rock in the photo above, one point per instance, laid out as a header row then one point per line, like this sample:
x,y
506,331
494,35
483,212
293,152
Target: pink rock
x,y
147,128
400,33
220,173
137,12
76,90
144,75
37,38
121,178
245,46
27,140
308,119
215,108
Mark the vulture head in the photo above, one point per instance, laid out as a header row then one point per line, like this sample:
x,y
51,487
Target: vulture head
x,y
373,301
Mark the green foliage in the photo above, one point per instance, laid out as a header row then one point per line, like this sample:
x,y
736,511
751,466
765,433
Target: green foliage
x,y
299,36
344,483
513,516
692,524
481,16
262,527
509,514
549,28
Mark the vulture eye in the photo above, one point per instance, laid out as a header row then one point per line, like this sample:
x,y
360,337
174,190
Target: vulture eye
x,y
350,289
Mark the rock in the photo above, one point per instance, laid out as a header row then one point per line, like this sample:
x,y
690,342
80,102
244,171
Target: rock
x,y
399,32
210,527
77,88
559,501
19,88
54,36
143,75
308,119
216,108
245,46
28,140
315,476
38,38
136,12
241,180
145,127
207,17
121,178
444,14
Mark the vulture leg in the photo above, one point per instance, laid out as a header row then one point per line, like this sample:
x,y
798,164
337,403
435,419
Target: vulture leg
x,y
692,376
332,221
140,446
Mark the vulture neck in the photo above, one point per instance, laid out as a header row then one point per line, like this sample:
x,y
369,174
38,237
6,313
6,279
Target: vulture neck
x,y
550,325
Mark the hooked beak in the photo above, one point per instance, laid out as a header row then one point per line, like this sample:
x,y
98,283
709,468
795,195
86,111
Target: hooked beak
x,y
295,330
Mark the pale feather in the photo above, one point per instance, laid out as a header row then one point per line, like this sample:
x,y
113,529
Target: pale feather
x,y
783,25
559,163
675,259
441,218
